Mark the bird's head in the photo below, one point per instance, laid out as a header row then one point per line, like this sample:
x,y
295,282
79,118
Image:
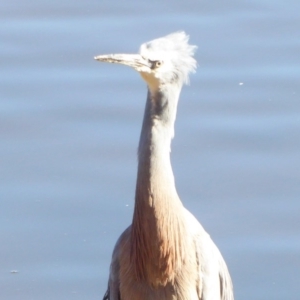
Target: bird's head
x,y
164,60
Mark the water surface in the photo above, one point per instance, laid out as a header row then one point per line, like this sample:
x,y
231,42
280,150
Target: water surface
x,y
69,129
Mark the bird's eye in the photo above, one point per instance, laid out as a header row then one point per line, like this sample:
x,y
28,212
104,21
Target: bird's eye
x,y
155,64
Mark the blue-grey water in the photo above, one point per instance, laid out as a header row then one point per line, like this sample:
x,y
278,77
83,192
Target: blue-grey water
x,y
69,128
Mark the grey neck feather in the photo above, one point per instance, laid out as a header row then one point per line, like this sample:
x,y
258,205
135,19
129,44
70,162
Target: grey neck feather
x,y
157,225
154,168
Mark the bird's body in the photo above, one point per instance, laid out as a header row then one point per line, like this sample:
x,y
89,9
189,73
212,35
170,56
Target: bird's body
x,y
165,254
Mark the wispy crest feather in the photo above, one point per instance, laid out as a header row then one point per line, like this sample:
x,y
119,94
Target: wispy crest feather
x,y
175,47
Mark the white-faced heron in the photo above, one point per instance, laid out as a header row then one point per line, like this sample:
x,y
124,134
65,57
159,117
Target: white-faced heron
x,y
165,254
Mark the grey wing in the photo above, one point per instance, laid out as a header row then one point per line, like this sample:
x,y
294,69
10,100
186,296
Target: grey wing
x,y
226,288
106,295
113,289
116,293
214,279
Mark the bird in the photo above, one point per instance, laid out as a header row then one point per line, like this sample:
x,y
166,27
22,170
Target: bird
x,y
165,253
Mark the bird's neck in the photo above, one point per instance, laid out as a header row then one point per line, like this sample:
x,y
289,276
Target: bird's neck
x,y
154,165
157,229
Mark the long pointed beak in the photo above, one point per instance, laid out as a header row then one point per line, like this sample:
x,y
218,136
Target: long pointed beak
x,y
135,61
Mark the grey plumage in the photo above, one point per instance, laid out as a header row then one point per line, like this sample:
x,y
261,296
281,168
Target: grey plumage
x,y
165,254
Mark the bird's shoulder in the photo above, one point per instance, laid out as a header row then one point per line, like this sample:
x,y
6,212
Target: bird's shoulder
x,y
213,271
194,227
121,247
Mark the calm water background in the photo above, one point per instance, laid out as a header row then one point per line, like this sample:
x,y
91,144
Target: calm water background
x,y
69,129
